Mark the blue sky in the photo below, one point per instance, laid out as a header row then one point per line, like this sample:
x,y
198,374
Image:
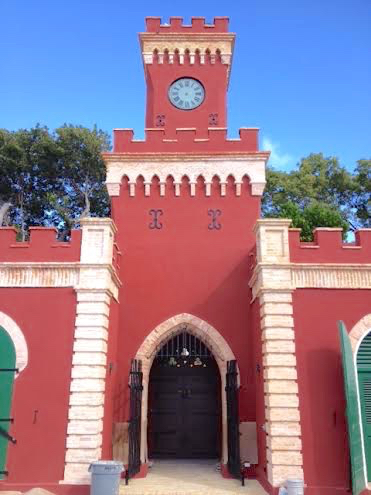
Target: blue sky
x,y
301,69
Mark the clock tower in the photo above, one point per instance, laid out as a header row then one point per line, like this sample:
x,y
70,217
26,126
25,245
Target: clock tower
x,y
187,71
185,200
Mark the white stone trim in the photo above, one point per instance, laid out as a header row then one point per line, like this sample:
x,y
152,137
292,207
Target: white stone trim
x,y
215,342
359,332
205,166
97,283
202,42
310,275
331,275
19,341
272,284
47,274
356,335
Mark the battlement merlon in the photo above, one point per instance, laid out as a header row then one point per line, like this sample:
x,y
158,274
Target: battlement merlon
x,y
188,140
280,245
328,247
42,246
205,43
197,25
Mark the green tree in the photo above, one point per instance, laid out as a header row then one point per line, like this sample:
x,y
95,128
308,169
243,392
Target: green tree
x,y
52,179
27,164
361,202
318,193
80,189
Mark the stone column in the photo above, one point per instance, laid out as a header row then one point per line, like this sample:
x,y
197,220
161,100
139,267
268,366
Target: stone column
x,y
96,285
271,282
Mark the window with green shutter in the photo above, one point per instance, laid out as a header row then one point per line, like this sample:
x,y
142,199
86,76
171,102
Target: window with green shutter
x,y
352,412
7,370
364,384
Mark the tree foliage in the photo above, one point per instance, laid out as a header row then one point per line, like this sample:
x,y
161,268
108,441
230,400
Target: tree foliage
x,y
320,193
56,178
52,178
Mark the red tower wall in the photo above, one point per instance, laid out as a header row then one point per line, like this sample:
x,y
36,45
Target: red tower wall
x,y
186,268
214,80
171,54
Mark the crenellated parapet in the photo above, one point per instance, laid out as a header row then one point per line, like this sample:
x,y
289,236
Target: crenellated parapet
x,y
187,140
328,246
197,43
198,25
41,246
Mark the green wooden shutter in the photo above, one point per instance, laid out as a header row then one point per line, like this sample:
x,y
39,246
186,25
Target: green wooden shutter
x,y
353,419
7,362
364,383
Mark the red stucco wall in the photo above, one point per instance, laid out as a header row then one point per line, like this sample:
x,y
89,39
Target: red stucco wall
x,y
256,343
213,78
111,379
321,392
42,246
328,247
186,268
41,392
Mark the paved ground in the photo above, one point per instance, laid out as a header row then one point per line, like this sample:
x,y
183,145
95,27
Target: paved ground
x,y
184,477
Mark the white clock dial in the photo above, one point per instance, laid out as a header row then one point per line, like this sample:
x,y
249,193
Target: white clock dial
x,y
186,93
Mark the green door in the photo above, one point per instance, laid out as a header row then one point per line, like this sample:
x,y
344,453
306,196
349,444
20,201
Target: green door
x,y
364,383
352,412
7,365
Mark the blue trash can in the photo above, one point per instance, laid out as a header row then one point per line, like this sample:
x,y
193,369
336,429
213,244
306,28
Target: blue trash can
x,y
105,477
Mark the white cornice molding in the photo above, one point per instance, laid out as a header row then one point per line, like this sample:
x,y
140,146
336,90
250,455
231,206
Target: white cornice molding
x,y
162,157
207,167
201,43
290,276
87,276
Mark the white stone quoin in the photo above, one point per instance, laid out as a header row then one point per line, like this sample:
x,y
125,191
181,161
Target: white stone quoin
x,y
97,284
271,283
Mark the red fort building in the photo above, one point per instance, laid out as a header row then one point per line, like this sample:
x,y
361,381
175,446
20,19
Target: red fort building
x,y
185,326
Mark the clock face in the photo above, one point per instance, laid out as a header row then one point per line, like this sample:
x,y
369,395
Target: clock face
x,y
186,93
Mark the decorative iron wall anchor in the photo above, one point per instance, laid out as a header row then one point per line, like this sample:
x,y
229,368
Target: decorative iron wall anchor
x,y
155,224
213,119
160,120
214,214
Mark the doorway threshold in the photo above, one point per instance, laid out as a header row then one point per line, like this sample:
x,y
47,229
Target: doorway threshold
x,y
188,477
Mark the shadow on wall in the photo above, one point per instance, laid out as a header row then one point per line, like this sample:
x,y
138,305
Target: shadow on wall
x,y
324,430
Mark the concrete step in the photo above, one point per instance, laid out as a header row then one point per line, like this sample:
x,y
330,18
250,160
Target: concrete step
x,y
182,477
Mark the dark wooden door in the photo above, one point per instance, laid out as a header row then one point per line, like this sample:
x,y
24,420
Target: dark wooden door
x,y
184,412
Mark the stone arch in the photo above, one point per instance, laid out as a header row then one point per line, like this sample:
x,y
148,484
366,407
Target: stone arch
x,y
356,335
359,331
211,338
19,341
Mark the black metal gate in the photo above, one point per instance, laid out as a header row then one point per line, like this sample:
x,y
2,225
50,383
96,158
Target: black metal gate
x,y
234,461
136,387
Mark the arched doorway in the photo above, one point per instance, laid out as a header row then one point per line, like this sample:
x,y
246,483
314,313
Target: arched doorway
x,y
213,340
184,403
7,372
364,387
